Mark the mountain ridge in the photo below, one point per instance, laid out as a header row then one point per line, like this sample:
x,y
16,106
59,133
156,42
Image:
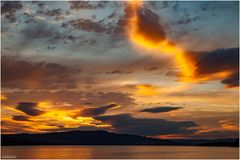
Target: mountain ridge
x,y
101,137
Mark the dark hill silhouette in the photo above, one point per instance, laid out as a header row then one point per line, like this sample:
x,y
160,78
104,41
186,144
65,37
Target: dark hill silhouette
x,y
101,138
80,138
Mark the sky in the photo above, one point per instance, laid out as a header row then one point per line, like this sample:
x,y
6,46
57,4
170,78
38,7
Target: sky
x,y
165,69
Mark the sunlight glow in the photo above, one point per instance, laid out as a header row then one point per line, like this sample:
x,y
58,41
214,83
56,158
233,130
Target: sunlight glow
x,y
162,46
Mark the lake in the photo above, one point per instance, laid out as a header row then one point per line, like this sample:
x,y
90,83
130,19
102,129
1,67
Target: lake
x,y
119,152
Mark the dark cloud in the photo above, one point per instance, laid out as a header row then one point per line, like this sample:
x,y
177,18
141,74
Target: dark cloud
x,y
50,33
172,73
219,61
86,4
40,30
20,118
81,128
87,25
118,71
17,73
120,27
232,80
97,111
160,109
57,13
74,98
9,8
103,98
149,23
153,68
29,108
186,20
125,123
150,26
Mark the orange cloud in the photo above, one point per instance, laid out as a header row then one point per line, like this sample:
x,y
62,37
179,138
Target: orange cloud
x,y
172,136
53,118
3,97
145,30
147,90
228,125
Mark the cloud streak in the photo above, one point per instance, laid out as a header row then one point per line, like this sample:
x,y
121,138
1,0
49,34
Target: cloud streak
x,y
219,64
125,123
160,109
29,108
97,111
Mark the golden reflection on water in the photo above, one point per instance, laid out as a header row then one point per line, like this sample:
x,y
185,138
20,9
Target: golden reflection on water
x,y
119,152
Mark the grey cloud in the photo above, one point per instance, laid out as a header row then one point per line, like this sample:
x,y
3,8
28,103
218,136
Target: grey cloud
x,y
87,25
218,61
75,98
97,111
87,5
9,8
125,123
232,80
29,108
118,71
20,118
160,109
57,13
81,128
186,20
16,72
102,98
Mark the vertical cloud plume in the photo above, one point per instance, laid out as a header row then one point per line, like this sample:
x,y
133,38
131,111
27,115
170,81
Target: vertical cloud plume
x,y
145,30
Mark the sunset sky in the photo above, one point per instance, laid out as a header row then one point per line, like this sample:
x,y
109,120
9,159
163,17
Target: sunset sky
x,y
160,69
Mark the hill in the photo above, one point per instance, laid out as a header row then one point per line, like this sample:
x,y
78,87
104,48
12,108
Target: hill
x,y
103,138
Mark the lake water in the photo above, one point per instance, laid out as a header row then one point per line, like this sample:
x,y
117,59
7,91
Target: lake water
x,y
119,152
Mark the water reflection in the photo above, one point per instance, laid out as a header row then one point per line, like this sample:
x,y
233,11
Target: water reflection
x,y
119,152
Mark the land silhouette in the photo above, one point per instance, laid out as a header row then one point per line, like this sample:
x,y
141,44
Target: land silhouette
x,y
101,137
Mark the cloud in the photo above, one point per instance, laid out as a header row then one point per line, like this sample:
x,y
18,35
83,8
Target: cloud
x,y
8,126
232,80
217,134
118,71
41,30
81,128
125,123
222,63
149,25
87,25
51,33
17,73
29,108
145,23
87,5
97,111
187,20
8,9
160,109
20,118
103,98
146,89
57,13
77,99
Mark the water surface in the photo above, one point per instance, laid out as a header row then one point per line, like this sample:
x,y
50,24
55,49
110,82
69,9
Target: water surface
x,y
119,152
